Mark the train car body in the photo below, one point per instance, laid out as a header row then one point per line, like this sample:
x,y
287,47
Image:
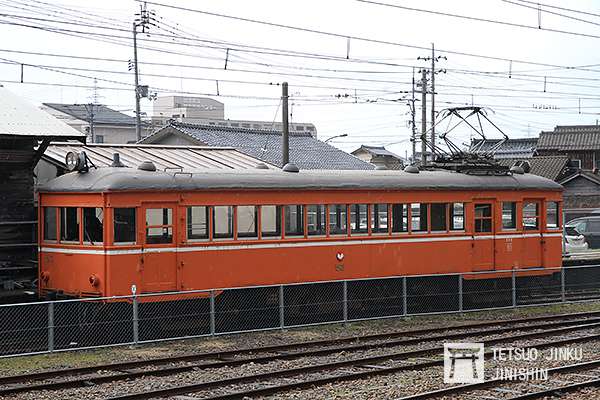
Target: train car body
x,y
107,229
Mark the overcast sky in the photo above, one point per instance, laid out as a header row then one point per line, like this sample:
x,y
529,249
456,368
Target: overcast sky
x,y
373,79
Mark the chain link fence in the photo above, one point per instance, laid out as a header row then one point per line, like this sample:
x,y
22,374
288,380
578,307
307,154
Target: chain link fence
x,y
86,323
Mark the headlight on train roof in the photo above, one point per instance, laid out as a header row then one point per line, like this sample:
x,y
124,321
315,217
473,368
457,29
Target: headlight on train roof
x,y
72,161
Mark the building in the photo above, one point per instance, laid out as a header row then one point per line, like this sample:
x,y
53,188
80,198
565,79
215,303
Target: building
x,y
105,124
266,145
379,156
25,132
206,111
581,143
510,149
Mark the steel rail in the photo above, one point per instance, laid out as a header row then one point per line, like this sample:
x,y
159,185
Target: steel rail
x,y
276,348
71,383
557,391
360,362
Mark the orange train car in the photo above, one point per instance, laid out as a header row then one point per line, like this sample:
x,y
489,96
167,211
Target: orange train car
x,y
106,229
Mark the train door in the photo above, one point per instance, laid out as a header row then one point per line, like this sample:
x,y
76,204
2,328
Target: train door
x,y
533,243
159,257
483,237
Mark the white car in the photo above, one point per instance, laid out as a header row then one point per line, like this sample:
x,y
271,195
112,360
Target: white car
x,y
574,241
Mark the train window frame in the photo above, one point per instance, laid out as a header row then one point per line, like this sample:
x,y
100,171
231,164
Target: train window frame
x,y
340,230
444,215
246,235
356,210
300,226
422,229
376,213
167,227
114,227
87,240
404,218
537,215
513,215
61,225
485,218
189,224
321,210
230,215
557,221
278,222
45,213
452,215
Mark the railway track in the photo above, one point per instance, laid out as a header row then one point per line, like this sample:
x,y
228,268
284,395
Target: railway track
x,y
529,328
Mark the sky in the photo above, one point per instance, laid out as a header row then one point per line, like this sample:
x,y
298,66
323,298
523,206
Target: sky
x,y
531,69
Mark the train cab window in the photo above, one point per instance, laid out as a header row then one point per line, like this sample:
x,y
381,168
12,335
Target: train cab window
x,y
379,218
358,218
531,216
418,217
247,223
338,219
509,215
399,218
69,225
223,222
159,225
483,218
124,225
315,215
457,216
197,223
438,216
93,225
552,214
294,220
50,223
270,221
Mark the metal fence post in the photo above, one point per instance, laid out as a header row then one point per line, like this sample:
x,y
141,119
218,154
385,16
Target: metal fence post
x,y
51,326
281,308
563,289
460,293
212,313
514,288
136,319
404,295
345,288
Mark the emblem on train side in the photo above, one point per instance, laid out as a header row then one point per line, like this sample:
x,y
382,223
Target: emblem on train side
x,y
339,256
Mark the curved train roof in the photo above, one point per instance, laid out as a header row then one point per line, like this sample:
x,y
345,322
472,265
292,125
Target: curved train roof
x,y
128,179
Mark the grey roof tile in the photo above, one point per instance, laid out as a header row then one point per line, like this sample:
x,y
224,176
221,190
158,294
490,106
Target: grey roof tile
x,y
512,148
551,167
572,137
102,114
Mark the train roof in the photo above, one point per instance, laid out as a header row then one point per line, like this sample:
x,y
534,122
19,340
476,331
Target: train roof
x,y
128,179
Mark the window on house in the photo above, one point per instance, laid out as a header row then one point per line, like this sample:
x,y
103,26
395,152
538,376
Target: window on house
x,y
315,215
223,222
294,221
457,216
358,218
49,223
99,138
247,221
246,125
531,216
552,214
270,220
399,218
438,216
418,217
93,225
509,215
338,215
197,222
124,225
379,218
159,225
69,225
483,218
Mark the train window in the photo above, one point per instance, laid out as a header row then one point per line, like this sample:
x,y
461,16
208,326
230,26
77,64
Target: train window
x,y
69,225
358,218
399,218
418,217
509,215
338,219
223,222
438,216
531,216
270,220
124,225
49,223
93,225
552,214
247,224
294,220
316,219
379,218
483,218
457,216
197,223
159,225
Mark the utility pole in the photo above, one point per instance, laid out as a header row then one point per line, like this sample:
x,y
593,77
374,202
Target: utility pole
x,y
90,110
424,117
432,96
412,115
143,20
285,146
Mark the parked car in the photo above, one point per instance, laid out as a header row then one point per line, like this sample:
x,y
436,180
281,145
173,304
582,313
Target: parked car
x,y
588,227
